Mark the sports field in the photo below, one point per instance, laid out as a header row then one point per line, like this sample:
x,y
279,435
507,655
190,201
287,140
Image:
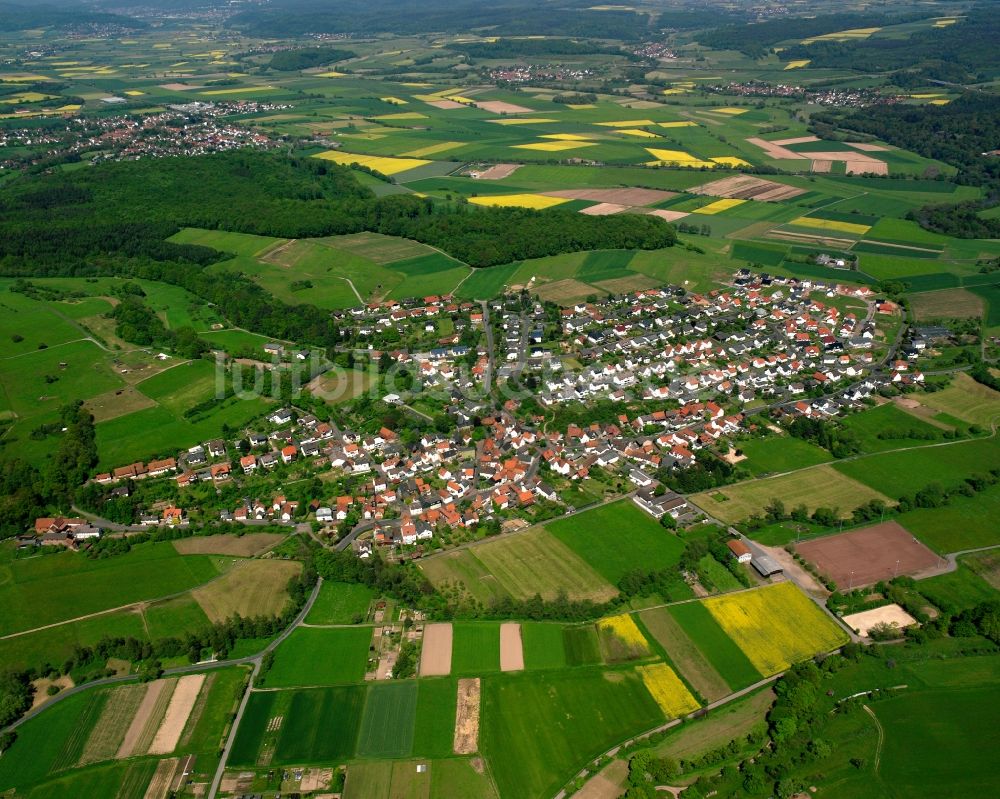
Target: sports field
x,y
822,486
866,556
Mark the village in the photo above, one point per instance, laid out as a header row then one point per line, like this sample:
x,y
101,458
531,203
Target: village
x,y
669,374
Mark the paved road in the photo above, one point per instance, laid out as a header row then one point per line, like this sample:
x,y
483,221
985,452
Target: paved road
x,y
490,357
256,660
179,670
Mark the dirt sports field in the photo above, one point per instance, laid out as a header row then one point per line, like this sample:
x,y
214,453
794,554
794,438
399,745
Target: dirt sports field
x,y
864,621
467,717
435,653
511,651
863,557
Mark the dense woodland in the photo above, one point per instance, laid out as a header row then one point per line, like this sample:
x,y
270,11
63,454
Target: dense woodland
x,y
17,17
966,51
307,57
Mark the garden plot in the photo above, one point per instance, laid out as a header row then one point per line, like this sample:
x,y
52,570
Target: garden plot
x,y
747,187
467,717
181,704
866,556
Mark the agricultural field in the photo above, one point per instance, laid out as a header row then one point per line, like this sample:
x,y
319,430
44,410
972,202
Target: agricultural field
x,y
525,564
340,603
821,486
775,626
47,589
249,588
774,455
313,656
614,537
965,399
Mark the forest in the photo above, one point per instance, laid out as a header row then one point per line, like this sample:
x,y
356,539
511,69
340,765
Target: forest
x,y
966,51
306,57
504,18
16,17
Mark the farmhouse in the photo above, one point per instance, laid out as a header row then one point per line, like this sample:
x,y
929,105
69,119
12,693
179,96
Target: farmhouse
x,y
740,551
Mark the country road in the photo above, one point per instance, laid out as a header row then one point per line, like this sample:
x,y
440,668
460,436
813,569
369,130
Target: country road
x,y
178,670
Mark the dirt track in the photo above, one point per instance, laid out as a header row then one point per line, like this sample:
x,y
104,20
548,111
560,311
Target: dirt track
x,y
511,650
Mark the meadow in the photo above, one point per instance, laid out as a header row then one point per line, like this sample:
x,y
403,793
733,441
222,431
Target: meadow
x,y
890,427
313,656
340,603
781,454
475,648
388,722
50,588
537,728
613,538
820,486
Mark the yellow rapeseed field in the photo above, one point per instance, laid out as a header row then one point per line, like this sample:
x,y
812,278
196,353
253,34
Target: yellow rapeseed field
x,y
677,158
433,149
331,74
731,160
521,121
628,123
775,626
385,165
555,146
831,224
536,201
564,137
402,115
731,111
687,124
394,100
580,106
666,688
718,206
638,132
624,627
240,90
797,64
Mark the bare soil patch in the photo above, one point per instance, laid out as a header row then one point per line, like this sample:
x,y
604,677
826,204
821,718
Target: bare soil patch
x,y
868,148
511,650
604,209
821,166
626,285
444,105
243,546
119,402
629,196
607,783
866,556
163,778
180,87
315,779
500,107
467,717
42,686
181,704
565,292
145,716
498,172
951,303
862,622
116,718
435,652
798,140
772,150
669,216
748,187
855,167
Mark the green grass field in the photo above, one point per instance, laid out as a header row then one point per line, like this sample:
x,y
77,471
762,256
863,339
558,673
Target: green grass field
x,y
714,645
49,588
313,656
340,603
889,427
781,454
897,473
434,727
582,645
475,648
614,538
538,728
388,723
964,523
821,486
543,645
